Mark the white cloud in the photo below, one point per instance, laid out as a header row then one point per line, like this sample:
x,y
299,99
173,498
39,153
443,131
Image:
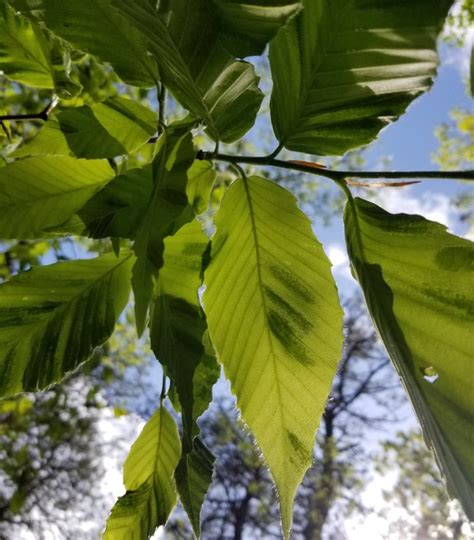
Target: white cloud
x,y
337,254
433,206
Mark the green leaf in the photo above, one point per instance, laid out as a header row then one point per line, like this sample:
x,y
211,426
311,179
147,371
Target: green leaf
x,y
149,479
344,69
201,177
42,192
196,67
417,281
52,318
177,337
276,324
166,212
116,210
113,128
193,477
93,26
178,323
247,27
23,50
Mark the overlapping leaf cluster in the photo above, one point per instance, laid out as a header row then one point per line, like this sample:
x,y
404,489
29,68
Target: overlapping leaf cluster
x,y
342,70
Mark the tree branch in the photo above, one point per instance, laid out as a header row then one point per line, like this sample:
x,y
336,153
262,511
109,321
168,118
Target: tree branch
x,y
338,176
43,115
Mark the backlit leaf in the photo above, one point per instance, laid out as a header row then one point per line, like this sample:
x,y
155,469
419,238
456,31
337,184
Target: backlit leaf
x,y
167,210
247,26
196,67
93,26
52,318
41,192
193,477
113,128
419,287
148,476
275,322
23,50
344,69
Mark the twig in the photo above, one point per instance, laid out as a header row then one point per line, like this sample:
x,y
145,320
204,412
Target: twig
x,y
43,115
338,176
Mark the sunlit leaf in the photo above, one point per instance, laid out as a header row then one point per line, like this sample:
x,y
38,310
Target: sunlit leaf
x,y
167,210
419,287
193,477
201,177
23,50
95,27
196,67
344,69
115,127
247,26
177,336
52,318
275,322
178,323
148,476
41,192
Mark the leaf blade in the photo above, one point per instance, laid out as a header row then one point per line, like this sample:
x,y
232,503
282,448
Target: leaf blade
x,y
112,128
344,70
424,318
268,326
53,317
39,193
93,26
148,478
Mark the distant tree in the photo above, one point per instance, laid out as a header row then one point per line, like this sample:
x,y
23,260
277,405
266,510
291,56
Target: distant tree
x,y
50,458
418,496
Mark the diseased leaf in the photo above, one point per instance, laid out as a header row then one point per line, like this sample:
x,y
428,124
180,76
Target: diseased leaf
x,y
93,26
42,192
419,287
344,69
52,318
167,210
148,476
193,477
275,322
195,66
113,128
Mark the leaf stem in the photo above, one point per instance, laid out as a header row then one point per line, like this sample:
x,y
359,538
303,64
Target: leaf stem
x,y
334,174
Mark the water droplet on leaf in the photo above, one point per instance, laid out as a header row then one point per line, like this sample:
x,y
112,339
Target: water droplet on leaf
x,y
430,374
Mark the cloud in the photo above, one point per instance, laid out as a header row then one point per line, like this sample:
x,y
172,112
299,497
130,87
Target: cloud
x,y
337,254
432,206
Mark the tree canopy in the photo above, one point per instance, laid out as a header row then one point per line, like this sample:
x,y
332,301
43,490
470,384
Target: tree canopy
x,y
94,154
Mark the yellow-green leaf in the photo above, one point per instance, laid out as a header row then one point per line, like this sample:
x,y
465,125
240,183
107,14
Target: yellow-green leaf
x,y
52,318
275,322
42,192
418,282
148,476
